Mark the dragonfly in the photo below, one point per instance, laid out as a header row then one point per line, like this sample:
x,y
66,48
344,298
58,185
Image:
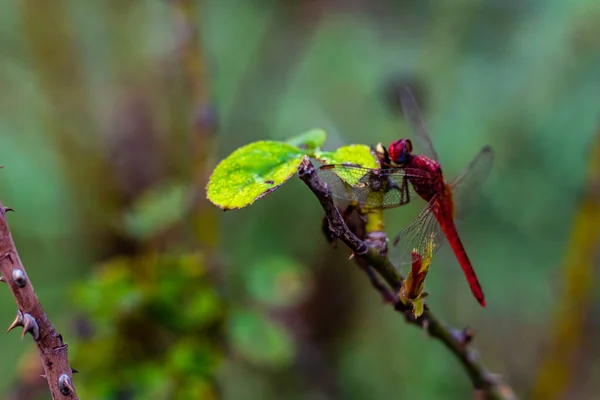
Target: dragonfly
x,y
403,176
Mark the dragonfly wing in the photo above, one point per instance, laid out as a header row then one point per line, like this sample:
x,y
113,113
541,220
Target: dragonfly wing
x,y
378,188
466,187
413,115
423,232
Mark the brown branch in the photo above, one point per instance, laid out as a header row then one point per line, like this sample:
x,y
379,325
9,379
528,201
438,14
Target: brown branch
x,y
31,316
486,386
387,296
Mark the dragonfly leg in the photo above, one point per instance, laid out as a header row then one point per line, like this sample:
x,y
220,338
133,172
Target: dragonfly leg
x,y
405,193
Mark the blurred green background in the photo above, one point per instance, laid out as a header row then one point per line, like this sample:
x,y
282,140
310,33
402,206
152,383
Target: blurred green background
x,y
113,114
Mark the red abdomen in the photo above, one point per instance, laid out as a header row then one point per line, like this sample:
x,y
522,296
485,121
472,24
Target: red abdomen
x,y
444,214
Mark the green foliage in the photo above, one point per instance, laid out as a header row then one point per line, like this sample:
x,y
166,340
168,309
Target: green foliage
x,y
311,139
277,282
359,154
260,340
251,172
156,210
257,169
355,154
155,323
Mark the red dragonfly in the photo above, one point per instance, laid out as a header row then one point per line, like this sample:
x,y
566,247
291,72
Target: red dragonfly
x,y
402,176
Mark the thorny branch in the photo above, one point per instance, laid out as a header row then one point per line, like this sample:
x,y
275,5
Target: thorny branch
x,y
31,316
486,385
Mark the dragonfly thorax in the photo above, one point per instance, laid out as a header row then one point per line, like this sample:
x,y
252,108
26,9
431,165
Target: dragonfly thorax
x,y
400,152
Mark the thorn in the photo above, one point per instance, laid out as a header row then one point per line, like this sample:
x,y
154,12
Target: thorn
x,y
7,209
19,278
17,322
65,385
7,255
351,256
74,371
43,376
31,326
2,279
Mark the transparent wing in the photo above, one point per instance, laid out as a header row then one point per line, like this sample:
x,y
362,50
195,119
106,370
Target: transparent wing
x,y
419,235
413,115
466,187
378,188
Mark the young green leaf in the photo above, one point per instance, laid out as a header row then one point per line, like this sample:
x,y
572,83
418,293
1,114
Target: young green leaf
x,y
310,139
358,154
156,210
251,172
354,153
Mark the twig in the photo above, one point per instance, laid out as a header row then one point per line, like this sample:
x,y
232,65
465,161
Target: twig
x,y
386,294
31,316
455,340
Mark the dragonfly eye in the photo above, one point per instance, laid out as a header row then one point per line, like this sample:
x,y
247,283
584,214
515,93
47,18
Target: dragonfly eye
x,y
400,151
402,158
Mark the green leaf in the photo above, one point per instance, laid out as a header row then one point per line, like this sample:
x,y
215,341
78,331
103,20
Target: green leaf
x,y
277,281
156,210
311,139
260,340
359,154
251,172
204,307
192,356
355,153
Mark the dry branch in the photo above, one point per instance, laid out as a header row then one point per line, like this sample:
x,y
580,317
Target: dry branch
x,y
33,319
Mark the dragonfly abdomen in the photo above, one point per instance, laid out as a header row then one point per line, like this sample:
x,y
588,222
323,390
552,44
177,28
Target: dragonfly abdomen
x,y
447,224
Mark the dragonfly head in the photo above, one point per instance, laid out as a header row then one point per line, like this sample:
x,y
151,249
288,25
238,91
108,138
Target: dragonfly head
x,y
401,152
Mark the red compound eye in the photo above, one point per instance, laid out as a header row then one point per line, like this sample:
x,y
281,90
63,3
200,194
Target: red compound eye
x,y
399,150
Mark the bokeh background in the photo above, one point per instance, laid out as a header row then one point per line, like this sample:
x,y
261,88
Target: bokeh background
x,y
113,113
